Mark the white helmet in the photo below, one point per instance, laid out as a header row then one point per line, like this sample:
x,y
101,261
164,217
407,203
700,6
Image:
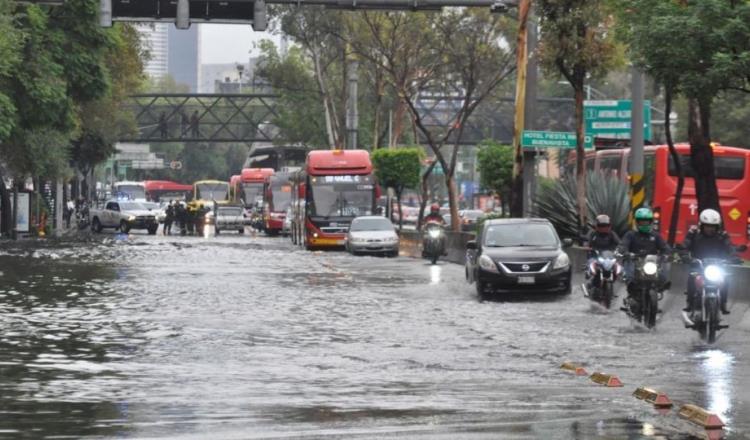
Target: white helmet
x,y
710,217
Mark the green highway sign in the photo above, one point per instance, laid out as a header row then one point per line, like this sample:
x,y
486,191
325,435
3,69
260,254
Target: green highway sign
x,y
552,139
611,119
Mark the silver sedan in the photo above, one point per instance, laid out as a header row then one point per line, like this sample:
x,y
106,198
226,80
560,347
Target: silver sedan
x,y
372,235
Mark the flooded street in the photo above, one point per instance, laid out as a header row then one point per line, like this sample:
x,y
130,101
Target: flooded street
x,y
241,337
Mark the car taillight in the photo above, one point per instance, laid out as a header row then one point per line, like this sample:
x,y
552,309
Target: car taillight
x,y
657,218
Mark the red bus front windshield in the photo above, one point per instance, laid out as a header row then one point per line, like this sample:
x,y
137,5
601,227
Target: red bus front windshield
x,y
252,193
341,196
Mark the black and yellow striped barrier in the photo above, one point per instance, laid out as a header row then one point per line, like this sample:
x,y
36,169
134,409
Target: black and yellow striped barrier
x,y
637,194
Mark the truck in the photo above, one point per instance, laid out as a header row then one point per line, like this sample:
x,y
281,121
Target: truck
x,y
125,216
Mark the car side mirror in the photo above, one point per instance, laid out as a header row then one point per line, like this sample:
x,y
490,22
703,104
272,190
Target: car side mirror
x,y
471,245
567,242
741,248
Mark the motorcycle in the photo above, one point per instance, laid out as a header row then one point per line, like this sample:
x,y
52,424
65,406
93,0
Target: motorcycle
x,y
605,270
643,304
709,280
433,242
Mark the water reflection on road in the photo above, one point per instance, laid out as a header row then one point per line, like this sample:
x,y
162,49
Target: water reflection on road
x,y
246,337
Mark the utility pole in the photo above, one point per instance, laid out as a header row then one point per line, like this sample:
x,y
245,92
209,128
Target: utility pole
x,y
637,186
516,206
530,157
352,113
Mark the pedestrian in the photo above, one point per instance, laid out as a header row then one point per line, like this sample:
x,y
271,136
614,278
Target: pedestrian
x,y
184,123
70,209
169,218
163,125
194,125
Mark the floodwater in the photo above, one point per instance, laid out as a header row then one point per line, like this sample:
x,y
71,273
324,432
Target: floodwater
x,y
241,337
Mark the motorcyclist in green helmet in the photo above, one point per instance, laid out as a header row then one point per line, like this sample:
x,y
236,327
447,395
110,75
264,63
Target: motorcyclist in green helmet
x,y
642,241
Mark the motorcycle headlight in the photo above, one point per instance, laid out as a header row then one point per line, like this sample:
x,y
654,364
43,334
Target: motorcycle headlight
x,y
434,233
487,264
562,261
714,274
650,268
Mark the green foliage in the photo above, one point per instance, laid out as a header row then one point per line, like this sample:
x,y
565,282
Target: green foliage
x,y
398,168
604,195
300,110
495,166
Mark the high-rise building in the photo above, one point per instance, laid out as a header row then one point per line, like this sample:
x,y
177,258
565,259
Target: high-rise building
x,y
155,38
184,55
173,51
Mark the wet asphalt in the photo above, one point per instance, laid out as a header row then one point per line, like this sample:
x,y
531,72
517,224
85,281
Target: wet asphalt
x,y
245,337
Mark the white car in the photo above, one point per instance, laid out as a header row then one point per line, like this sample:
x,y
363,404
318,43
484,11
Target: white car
x,y
286,228
124,216
373,235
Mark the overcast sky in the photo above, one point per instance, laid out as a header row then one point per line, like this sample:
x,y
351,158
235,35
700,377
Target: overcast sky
x,y
229,43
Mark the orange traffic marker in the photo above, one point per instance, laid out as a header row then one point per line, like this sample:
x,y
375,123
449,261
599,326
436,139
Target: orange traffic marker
x,y
659,400
701,417
607,380
575,368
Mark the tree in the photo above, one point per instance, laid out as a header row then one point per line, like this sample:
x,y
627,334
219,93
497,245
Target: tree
x,y
400,169
717,33
300,113
456,52
495,166
576,42
10,56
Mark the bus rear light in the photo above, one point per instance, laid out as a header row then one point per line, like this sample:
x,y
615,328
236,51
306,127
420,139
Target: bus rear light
x,y
748,225
657,218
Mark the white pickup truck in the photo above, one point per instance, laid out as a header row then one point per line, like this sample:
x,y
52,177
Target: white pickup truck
x,y
124,215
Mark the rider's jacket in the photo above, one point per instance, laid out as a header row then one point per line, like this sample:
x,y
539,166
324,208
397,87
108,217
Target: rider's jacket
x,y
643,242
702,246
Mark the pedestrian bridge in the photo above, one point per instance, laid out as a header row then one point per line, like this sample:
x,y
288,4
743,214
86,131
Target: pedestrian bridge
x,y
251,118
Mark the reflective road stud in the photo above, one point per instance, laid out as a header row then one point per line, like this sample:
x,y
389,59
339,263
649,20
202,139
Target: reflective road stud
x,y
701,417
575,368
606,380
659,400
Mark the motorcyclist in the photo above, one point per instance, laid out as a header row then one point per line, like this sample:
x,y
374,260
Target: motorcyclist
x,y
707,240
603,238
434,215
642,240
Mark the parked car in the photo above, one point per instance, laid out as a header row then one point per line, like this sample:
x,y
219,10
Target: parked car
x,y
518,255
124,216
373,235
469,219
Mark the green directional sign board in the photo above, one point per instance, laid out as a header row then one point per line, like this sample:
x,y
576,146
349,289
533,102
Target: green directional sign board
x,y
552,139
611,119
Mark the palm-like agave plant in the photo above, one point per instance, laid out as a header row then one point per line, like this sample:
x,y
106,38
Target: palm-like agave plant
x,y
604,195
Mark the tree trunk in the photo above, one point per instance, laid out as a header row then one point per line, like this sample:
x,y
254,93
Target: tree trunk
x,y
701,154
400,211
425,193
329,118
580,155
398,122
450,182
5,214
673,221
516,204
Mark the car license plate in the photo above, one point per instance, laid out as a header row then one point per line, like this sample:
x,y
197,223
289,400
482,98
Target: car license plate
x,y
526,280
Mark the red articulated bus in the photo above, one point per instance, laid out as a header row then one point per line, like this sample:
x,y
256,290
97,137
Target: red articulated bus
x,y
251,185
165,190
660,176
278,196
333,188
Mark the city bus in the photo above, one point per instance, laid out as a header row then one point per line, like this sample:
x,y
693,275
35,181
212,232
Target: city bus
x,y
135,191
278,198
250,187
333,188
165,190
660,176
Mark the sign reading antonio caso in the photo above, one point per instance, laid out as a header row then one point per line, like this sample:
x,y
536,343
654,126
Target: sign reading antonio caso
x,y
552,139
611,119
166,10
